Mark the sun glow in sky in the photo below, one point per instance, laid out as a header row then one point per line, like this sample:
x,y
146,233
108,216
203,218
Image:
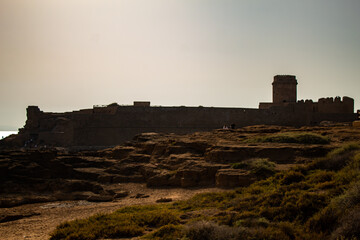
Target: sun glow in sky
x,y
65,55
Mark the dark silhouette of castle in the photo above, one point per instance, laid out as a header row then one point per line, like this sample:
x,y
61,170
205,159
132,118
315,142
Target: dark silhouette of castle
x,y
114,124
285,95
284,89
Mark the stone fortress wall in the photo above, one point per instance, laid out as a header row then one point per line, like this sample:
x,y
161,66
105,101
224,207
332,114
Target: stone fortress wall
x,y
114,124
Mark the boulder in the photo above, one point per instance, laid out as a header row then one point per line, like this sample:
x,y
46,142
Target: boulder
x,y
125,168
121,194
141,195
228,154
149,170
119,152
135,158
233,178
164,200
163,179
79,185
100,198
125,179
202,174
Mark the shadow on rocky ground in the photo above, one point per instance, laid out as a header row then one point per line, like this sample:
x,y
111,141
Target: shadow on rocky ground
x,y
221,159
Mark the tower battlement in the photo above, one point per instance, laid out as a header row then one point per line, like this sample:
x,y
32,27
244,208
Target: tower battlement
x,y
113,124
284,89
285,79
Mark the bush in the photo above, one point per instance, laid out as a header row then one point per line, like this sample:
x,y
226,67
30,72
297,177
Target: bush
x,y
325,220
126,222
260,167
156,218
211,231
240,165
324,195
308,204
167,232
253,222
321,176
89,229
206,200
351,197
301,138
292,177
349,226
350,147
336,159
328,218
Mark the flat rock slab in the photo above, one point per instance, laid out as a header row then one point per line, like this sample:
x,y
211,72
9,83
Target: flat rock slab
x,y
233,178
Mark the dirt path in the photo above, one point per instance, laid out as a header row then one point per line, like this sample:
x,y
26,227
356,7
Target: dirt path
x,y
42,218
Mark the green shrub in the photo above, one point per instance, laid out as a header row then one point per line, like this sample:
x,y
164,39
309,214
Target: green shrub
x,y
301,138
252,222
206,200
308,204
263,167
321,176
349,227
315,201
167,232
292,177
240,165
311,138
356,162
273,199
260,167
326,185
325,220
336,159
156,218
328,218
350,198
126,222
211,231
268,233
344,149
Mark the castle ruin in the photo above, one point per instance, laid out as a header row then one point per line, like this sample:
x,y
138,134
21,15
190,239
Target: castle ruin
x,y
285,95
113,124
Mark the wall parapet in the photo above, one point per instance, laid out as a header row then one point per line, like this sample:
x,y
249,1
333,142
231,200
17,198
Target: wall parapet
x,y
112,124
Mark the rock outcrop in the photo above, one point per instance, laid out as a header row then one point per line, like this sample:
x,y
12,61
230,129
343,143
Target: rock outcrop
x,y
159,160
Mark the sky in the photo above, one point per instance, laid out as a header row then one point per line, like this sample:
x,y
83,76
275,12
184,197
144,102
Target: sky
x,y
65,55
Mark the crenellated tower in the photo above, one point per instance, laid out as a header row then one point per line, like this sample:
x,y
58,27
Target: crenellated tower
x,y
284,89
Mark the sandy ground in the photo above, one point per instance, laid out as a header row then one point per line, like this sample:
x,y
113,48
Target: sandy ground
x,y
46,216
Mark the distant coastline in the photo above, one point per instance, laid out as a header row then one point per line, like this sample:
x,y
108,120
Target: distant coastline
x,y
4,134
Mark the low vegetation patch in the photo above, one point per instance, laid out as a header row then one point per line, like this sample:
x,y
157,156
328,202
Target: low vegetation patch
x,y
320,200
126,222
261,167
167,232
301,138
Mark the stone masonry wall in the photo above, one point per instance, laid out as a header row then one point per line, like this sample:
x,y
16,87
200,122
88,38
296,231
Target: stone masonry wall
x,y
116,124
284,89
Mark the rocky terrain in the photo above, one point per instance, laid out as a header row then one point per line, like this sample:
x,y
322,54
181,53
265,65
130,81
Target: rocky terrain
x,y
222,159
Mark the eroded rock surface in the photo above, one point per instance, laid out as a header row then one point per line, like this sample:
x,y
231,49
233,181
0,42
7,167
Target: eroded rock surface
x,y
159,160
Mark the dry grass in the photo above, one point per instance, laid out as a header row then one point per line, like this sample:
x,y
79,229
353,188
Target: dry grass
x,y
320,200
292,137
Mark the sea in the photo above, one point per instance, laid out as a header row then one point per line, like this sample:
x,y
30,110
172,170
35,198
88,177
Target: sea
x,y
4,134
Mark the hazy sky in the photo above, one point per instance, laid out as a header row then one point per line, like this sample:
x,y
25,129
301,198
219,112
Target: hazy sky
x,y
65,55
